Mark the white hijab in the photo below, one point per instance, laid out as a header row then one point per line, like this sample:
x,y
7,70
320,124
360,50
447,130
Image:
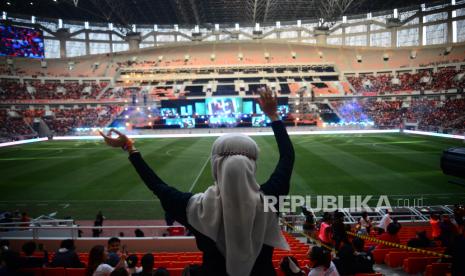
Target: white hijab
x,y
231,212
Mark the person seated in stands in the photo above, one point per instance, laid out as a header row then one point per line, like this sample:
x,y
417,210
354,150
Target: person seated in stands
x,y
113,248
132,260
120,272
435,228
325,229
364,224
448,231
147,263
232,229
320,262
384,222
389,236
31,261
139,233
97,265
66,256
290,266
420,241
345,258
363,261
9,263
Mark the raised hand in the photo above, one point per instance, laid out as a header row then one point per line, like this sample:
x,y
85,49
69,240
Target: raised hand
x,y
268,103
120,141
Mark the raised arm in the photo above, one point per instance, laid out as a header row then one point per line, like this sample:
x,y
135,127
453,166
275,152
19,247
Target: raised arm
x,y
172,200
279,181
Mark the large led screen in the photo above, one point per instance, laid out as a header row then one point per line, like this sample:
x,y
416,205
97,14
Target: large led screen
x,y
21,42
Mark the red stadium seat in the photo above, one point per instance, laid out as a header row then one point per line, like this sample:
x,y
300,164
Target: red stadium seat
x,y
75,271
58,271
415,265
175,271
438,269
32,271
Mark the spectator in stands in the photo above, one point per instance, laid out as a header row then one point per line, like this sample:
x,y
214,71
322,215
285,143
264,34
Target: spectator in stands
x,y
456,249
9,263
66,256
139,233
113,248
31,261
448,231
459,213
420,241
364,224
132,260
389,236
290,266
325,229
320,262
345,258
435,229
99,218
228,220
309,224
97,265
363,261
384,222
338,229
147,263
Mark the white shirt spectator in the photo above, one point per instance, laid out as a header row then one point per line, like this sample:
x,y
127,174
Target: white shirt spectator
x,y
384,222
321,271
103,270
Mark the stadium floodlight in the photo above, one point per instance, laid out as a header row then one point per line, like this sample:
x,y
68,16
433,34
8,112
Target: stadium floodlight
x,y
257,26
217,27
134,29
155,27
423,7
299,23
396,13
196,29
86,25
60,23
278,24
369,15
344,19
33,19
452,2
110,26
176,27
4,15
236,26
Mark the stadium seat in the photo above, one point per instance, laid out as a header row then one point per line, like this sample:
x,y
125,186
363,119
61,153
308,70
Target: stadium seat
x,y
58,271
75,271
415,265
438,269
175,271
32,271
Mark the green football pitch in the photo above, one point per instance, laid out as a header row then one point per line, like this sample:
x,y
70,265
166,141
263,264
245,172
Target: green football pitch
x,y
79,178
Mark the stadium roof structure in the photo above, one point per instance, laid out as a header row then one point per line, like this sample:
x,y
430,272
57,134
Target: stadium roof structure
x,y
201,12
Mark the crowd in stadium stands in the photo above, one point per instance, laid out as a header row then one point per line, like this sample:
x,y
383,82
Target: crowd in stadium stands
x,y
12,90
64,121
14,127
431,115
355,254
424,80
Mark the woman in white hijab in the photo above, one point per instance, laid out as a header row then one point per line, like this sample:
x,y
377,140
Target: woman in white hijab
x,y
235,234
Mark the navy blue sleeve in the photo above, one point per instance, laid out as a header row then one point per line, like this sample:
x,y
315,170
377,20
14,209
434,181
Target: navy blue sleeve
x,y
279,182
172,200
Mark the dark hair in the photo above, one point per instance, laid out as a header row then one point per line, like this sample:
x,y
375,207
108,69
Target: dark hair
x,y
119,272
358,243
96,257
147,262
139,233
320,256
132,260
113,240
29,248
161,272
286,268
11,259
68,244
364,214
392,228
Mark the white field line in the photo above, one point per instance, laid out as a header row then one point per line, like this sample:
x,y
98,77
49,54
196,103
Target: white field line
x,y
198,176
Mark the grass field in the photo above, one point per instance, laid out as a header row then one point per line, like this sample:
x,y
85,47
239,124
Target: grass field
x,y
78,178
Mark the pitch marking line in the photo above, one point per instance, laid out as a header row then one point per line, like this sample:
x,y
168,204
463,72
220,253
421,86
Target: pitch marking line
x,y
198,176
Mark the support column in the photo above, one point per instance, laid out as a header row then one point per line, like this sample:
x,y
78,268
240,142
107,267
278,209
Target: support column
x,y
133,40
321,34
62,35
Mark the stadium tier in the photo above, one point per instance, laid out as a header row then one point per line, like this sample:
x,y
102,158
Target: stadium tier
x,y
232,138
